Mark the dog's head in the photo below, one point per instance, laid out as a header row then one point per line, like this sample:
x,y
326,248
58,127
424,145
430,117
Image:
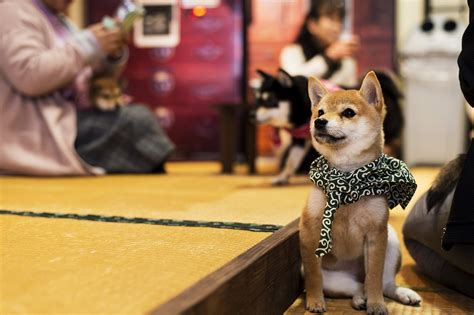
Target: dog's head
x,y
273,89
347,123
272,99
281,100
106,93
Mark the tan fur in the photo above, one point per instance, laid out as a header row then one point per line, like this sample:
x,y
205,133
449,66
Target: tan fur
x,y
106,93
359,230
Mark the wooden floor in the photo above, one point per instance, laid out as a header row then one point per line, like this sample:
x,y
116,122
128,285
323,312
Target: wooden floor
x,y
441,302
69,265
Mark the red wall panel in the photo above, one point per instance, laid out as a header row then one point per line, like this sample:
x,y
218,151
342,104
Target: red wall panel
x,y
205,69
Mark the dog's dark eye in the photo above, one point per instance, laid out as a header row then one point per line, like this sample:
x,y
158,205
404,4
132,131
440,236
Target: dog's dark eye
x,y
348,113
320,113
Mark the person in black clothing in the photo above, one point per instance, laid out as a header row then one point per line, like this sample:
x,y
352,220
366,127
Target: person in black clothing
x,y
460,227
319,49
439,231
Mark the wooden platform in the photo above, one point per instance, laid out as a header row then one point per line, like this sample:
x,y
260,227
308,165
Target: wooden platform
x,y
263,280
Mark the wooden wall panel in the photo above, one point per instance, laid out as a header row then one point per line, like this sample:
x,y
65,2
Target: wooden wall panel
x,y
374,22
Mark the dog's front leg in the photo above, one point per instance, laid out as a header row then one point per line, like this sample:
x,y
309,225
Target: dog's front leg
x,y
311,264
375,246
295,157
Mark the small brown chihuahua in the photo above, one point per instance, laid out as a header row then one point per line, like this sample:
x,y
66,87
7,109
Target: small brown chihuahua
x,y
365,254
106,93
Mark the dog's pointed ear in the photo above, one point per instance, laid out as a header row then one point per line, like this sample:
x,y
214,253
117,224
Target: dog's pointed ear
x,y
284,78
371,91
263,74
316,90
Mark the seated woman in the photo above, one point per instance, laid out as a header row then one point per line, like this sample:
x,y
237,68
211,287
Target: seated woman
x,y
42,62
318,49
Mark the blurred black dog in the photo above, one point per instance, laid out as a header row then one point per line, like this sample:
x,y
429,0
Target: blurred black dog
x,y
282,101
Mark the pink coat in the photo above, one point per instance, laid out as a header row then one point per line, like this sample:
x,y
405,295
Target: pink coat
x,y
37,125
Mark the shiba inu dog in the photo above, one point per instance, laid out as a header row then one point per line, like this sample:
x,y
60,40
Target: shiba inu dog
x,y
105,93
347,130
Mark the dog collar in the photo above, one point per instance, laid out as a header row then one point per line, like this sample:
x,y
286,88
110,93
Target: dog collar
x,y
385,176
301,132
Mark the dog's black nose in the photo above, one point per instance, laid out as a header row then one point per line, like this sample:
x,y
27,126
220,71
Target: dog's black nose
x,y
320,123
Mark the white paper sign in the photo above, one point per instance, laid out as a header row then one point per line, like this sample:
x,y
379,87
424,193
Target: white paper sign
x,y
189,4
160,25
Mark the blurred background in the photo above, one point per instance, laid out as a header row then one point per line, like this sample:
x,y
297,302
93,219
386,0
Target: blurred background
x,y
221,43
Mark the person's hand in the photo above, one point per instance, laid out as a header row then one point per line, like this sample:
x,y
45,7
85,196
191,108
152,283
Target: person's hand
x,y
110,41
343,48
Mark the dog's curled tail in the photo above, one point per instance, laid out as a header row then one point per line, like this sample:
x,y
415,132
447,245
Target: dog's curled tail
x,y
445,182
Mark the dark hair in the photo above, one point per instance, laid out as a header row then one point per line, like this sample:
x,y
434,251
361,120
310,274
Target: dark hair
x,y
318,9
331,8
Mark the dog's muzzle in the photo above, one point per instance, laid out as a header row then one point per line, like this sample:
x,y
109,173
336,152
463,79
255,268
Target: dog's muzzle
x,y
320,124
321,134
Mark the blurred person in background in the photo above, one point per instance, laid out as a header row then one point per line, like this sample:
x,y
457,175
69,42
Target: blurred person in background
x,y
319,50
45,63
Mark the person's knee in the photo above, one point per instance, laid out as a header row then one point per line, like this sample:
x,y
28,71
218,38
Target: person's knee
x,y
411,224
138,111
138,117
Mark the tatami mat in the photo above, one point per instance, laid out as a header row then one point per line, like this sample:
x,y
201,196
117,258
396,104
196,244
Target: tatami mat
x,y
183,194
65,266
69,266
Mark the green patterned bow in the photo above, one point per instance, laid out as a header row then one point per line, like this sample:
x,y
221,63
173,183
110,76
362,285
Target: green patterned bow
x,y
385,176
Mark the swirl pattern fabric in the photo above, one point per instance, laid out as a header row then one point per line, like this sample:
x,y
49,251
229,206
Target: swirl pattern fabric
x,y
385,176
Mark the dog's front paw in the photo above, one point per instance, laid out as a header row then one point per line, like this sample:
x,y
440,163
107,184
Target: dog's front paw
x,y
280,181
377,309
407,296
315,305
359,302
